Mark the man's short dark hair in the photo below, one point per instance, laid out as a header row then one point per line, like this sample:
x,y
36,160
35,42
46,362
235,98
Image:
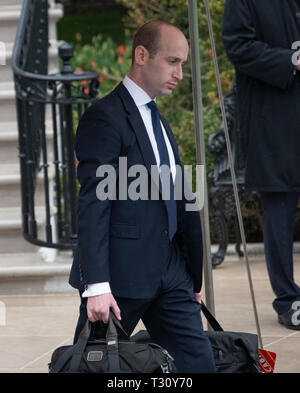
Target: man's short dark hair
x,y
148,36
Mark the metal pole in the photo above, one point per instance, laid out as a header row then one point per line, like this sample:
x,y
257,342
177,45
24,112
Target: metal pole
x,y
200,149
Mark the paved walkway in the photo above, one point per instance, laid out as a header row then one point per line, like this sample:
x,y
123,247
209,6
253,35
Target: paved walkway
x,y
36,324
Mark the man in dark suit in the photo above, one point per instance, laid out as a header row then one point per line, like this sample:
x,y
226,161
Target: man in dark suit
x,y
140,257
259,38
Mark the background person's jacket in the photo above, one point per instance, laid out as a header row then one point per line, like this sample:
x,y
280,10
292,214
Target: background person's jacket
x,y
258,37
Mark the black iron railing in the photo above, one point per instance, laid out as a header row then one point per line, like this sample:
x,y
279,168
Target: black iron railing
x,y
221,197
48,109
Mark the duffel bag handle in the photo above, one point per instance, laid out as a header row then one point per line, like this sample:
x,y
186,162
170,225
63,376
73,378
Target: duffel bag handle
x,y
76,351
112,344
116,322
211,319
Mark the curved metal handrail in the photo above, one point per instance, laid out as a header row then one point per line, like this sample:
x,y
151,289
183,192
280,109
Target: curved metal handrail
x,y
22,34
48,108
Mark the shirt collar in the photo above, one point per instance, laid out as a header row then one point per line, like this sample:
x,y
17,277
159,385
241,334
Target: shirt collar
x,y
140,97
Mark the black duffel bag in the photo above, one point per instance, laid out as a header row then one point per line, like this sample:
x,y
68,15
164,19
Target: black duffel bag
x,y
234,352
112,354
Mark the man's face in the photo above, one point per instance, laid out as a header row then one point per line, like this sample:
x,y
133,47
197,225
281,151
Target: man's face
x,y
162,72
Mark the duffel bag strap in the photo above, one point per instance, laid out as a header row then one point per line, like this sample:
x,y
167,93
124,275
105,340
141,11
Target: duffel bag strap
x,y
61,361
210,318
117,323
112,344
79,347
74,353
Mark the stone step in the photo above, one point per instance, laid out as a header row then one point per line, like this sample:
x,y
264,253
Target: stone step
x,y
6,73
9,18
30,274
8,103
11,237
9,142
11,3
10,190
10,7
10,127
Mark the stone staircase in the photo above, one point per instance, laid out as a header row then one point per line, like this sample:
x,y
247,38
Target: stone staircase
x,y
23,266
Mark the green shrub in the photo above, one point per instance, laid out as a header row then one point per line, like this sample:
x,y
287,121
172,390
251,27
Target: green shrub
x,y
80,29
110,61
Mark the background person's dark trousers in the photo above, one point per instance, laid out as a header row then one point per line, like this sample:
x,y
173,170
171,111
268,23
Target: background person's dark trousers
x,y
172,318
279,209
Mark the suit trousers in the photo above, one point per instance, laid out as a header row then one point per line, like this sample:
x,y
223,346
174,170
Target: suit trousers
x,y
172,318
279,209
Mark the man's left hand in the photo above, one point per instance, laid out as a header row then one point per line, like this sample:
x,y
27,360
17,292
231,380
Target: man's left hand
x,y
198,296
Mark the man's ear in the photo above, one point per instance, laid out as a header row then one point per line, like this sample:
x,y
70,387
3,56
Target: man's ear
x,y
141,55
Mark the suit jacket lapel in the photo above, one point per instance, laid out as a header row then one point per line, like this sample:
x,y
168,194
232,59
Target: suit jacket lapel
x,y
139,128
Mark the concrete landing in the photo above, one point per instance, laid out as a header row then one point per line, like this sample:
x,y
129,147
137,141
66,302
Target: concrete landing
x,y
37,324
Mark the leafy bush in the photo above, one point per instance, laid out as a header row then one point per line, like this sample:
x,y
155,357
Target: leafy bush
x,y
103,56
81,28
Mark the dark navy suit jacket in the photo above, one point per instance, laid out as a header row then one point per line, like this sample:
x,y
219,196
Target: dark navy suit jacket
x,y
258,37
125,242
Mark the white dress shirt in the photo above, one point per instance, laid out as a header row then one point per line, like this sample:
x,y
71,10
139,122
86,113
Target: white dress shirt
x,y
141,98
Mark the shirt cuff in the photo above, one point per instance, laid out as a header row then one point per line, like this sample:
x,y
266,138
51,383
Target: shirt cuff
x,y
97,289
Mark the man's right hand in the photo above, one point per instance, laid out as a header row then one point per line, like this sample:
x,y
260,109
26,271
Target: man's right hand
x,y
98,307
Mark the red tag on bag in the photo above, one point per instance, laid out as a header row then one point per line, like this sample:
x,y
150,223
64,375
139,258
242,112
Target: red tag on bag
x,y
266,361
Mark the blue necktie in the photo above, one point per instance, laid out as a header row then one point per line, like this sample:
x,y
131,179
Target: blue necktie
x,y
164,160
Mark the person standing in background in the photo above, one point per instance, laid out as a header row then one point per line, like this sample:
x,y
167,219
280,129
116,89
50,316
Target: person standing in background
x,y
259,37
